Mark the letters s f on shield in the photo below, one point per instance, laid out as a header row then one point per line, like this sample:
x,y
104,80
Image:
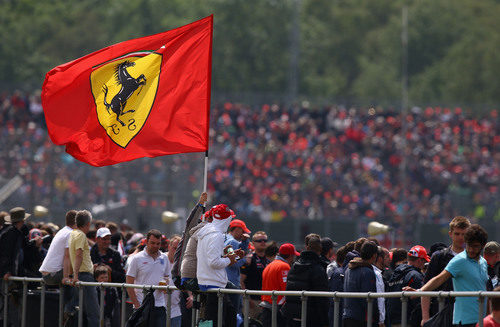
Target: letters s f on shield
x,y
124,91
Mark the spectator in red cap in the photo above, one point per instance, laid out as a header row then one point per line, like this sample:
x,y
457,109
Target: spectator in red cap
x,y
237,238
407,274
274,278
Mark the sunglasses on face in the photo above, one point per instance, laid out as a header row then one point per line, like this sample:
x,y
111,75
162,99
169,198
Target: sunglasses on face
x,y
261,240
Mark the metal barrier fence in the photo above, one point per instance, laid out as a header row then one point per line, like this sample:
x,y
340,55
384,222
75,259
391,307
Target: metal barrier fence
x,y
336,296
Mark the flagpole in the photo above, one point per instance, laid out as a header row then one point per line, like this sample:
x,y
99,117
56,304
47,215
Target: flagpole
x,y
206,172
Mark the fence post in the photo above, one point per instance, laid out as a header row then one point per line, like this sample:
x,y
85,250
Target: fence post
x,y
220,307
274,310
101,305
336,309
25,295
303,315
194,309
42,304
80,305
124,305
481,309
369,315
440,301
5,302
61,305
169,306
245,309
404,310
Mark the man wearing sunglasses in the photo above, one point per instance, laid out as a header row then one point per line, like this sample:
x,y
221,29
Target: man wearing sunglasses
x,y
251,272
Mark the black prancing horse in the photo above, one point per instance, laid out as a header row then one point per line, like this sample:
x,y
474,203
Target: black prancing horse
x,y
128,86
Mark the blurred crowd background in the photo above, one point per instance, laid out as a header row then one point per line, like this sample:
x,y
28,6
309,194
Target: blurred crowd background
x,y
308,129
276,163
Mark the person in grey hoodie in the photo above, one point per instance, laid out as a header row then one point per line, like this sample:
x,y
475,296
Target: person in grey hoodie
x,y
180,253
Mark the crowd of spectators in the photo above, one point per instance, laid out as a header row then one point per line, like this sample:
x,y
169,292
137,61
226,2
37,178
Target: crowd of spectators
x,y
279,162
112,253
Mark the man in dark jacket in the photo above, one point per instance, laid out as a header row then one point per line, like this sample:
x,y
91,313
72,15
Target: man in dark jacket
x,y
12,243
360,277
102,253
308,273
409,274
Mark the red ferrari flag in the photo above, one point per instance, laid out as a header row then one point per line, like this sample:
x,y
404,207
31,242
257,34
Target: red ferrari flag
x,y
145,97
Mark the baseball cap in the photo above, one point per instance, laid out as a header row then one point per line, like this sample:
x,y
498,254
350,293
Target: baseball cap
x,y
220,211
419,251
492,247
239,223
103,231
288,249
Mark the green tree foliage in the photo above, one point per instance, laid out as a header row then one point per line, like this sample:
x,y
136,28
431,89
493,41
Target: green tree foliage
x,y
348,48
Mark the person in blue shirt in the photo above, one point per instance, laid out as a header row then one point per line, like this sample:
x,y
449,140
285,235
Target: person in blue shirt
x,y
469,272
237,239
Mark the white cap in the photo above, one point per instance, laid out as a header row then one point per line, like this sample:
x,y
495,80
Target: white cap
x,y
103,231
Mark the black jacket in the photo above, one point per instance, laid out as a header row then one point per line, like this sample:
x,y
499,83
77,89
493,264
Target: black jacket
x,y
359,277
141,317
438,262
404,275
11,255
112,259
308,273
33,258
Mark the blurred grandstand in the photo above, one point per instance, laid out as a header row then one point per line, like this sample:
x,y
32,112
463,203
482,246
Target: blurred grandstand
x,y
273,163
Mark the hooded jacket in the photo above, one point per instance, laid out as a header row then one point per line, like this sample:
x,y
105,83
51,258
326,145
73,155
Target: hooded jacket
x,y
359,277
210,267
191,222
404,275
308,273
189,262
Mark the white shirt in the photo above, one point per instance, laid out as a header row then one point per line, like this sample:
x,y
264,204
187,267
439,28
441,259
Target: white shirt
x,y
148,271
54,259
380,289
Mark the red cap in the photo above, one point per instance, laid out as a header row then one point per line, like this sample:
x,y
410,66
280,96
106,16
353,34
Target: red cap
x,y
288,249
220,211
239,223
419,251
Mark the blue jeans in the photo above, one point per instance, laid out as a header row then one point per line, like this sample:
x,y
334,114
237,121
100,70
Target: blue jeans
x,y
90,304
158,317
70,296
176,321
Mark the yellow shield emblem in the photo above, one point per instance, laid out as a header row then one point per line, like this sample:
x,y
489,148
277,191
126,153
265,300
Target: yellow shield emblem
x,y
124,91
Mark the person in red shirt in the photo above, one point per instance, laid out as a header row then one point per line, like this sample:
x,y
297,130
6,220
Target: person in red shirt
x,y
493,320
274,278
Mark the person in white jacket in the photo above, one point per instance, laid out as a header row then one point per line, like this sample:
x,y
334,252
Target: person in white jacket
x,y
212,260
